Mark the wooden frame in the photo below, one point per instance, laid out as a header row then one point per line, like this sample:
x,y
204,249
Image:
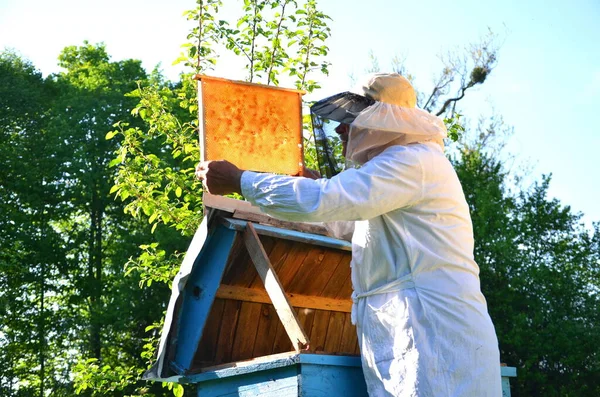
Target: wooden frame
x,y
202,116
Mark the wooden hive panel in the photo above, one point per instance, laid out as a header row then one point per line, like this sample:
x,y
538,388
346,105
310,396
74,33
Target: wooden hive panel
x,y
247,326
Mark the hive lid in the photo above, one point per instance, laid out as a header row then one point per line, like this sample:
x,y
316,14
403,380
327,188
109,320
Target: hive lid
x,y
256,127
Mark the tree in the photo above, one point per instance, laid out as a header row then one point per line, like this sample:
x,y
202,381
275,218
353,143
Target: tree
x,y
31,251
155,163
539,272
65,239
157,180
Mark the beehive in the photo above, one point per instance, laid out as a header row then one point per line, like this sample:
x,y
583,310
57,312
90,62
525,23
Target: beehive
x,y
256,127
224,330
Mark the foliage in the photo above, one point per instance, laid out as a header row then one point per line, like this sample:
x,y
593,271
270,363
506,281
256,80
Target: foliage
x,y
272,37
155,162
540,271
63,295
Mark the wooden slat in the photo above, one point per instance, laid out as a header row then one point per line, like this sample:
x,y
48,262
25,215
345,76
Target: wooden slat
x,y
345,291
277,256
282,342
267,330
228,204
319,331
306,317
331,264
335,331
246,211
229,320
246,331
205,355
280,253
289,268
302,237
296,300
349,342
237,257
303,282
267,220
273,286
242,272
338,280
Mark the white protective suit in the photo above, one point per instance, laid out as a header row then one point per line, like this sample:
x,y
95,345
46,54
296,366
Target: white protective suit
x,y
422,321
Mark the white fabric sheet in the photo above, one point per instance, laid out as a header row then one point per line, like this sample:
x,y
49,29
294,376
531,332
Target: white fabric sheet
x,y
421,318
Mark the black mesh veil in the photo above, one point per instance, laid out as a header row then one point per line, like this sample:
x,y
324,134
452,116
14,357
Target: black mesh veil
x,y
327,114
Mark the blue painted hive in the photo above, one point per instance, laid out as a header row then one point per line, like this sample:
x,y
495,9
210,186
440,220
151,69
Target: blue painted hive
x,y
262,307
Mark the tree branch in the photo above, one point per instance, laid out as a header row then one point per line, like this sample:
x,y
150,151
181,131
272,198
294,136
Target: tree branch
x,y
458,98
275,40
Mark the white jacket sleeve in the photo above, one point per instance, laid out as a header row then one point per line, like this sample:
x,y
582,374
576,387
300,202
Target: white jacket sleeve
x,y
391,180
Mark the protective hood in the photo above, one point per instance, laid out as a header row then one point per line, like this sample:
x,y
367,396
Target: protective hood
x,y
381,112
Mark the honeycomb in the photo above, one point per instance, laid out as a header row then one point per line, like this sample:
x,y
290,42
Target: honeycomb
x,y
256,127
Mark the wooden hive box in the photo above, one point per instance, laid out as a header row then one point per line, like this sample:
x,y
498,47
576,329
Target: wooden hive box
x,y
230,332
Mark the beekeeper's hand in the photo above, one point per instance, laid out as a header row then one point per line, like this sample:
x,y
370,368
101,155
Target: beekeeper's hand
x,y
310,173
220,177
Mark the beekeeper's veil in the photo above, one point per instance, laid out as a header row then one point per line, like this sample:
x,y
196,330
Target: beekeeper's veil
x,y
381,112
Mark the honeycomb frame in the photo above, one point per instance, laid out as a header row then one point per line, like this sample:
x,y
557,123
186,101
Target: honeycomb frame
x,y
254,126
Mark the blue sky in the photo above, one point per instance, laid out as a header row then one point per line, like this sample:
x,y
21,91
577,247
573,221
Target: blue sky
x,y
546,84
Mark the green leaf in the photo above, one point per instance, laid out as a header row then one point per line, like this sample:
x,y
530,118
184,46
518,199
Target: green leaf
x,y
178,191
111,134
114,162
178,390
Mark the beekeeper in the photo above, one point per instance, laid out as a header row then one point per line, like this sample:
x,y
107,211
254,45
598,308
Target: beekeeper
x,y
422,321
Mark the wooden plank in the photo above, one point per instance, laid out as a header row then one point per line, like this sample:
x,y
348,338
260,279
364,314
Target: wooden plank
x,y
237,259
308,238
331,264
229,320
508,371
228,204
349,342
267,331
332,380
306,317
282,341
241,82
244,367
242,272
345,292
338,280
296,300
207,347
335,331
199,294
284,310
303,282
246,331
273,382
318,333
277,257
267,220
268,244
288,269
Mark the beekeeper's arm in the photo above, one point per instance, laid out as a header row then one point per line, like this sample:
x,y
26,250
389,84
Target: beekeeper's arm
x,y
391,180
